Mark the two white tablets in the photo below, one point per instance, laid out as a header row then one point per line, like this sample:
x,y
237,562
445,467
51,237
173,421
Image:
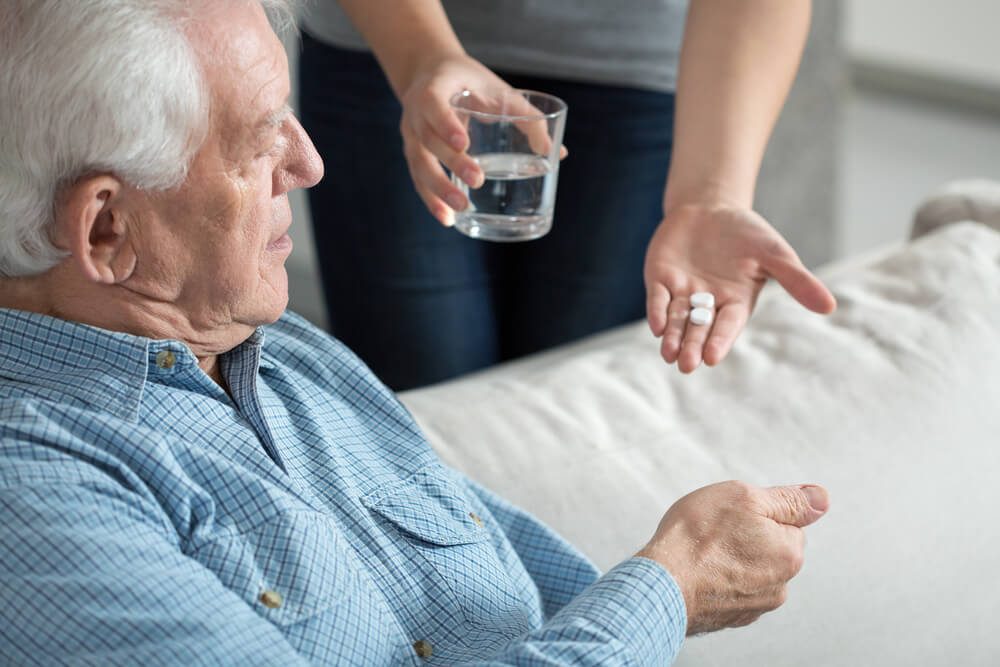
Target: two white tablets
x,y
702,308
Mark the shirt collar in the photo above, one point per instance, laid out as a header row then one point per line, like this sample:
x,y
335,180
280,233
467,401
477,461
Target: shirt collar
x,y
255,345
94,367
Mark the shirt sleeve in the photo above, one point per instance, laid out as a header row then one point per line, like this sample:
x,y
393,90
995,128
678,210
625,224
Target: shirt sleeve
x,y
91,574
633,615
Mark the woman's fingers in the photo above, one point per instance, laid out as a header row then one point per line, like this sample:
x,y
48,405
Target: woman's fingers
x,y
433,186
677,322
807,289
657,302
729,323
435,109
457,162
695,335
687,342
425,152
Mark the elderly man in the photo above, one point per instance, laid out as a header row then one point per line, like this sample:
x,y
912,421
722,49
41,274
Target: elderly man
x,y
190,476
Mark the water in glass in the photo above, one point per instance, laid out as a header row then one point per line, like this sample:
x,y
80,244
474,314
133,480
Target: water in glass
x,y
514,203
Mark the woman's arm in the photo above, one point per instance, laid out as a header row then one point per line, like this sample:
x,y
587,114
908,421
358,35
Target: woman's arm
x,y
737,64
406,37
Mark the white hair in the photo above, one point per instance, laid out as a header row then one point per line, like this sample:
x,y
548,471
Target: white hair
x,y
92,86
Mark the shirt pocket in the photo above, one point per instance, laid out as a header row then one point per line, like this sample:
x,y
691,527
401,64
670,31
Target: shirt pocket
x,y
290,568
437,519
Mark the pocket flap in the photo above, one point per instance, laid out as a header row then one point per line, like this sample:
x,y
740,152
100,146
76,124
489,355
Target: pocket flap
x,y
429,506
289,568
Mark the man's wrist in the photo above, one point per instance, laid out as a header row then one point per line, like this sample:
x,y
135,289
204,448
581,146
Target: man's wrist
x,y
680,579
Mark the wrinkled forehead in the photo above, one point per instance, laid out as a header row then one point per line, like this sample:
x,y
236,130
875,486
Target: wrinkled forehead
x,y
244,66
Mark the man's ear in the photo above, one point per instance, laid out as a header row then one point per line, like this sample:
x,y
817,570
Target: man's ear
x,y
90,225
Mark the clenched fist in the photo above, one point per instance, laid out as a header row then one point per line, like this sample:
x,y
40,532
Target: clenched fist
x,y
732,548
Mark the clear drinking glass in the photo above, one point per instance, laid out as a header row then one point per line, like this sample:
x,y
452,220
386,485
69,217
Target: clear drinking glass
x,y
516,137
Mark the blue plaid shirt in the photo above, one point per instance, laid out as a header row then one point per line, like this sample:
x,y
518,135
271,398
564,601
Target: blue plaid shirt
x,y
150,518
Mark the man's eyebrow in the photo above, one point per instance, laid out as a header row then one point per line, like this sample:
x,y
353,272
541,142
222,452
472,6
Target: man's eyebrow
x,y
275,118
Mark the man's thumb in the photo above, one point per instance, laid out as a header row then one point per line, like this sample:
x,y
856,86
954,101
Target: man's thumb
x,y
796,505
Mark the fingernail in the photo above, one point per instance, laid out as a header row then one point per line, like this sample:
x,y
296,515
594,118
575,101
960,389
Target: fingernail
x,y
471,176
457,141
818,498
456,201
447,218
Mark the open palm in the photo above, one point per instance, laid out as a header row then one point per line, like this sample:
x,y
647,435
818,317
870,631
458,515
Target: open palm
x,y
730,252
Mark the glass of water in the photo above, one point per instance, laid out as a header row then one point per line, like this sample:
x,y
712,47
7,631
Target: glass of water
x,y
515,137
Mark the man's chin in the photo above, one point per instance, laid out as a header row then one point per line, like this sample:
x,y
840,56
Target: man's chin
x,y
274,301
276,315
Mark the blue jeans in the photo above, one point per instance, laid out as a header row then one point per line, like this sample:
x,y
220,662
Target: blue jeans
x,y
420,303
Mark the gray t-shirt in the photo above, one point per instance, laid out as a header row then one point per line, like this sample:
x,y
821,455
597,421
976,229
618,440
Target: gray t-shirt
x,y
634,43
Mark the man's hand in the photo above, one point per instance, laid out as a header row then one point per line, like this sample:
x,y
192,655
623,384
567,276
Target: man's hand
x,y
732,548
433,134
730,252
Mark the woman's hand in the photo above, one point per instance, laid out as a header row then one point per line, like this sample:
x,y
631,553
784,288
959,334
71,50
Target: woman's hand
x,y
434,135
730,252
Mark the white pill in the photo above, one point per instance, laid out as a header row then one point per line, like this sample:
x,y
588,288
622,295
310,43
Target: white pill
x,y
701,316
703,300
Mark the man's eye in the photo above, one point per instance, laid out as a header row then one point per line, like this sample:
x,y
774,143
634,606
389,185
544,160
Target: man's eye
x,y
272,149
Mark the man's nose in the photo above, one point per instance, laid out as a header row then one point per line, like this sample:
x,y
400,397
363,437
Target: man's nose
x,y
303,167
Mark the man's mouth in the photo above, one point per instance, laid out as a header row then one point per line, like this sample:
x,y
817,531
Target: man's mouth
x,y
283,242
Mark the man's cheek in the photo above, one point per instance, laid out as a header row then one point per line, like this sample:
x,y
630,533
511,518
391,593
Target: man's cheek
x,y
226,204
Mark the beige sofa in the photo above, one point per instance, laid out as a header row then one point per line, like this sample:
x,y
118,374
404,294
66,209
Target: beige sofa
x,y
893,403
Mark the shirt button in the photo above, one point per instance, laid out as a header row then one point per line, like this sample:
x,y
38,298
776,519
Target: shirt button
x,y
476,519
423,649
270,599
165,359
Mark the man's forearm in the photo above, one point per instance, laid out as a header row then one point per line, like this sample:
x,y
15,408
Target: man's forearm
x,y
738,62
404,35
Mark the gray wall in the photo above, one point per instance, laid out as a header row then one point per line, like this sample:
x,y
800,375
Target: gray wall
x,y
952,40
798,187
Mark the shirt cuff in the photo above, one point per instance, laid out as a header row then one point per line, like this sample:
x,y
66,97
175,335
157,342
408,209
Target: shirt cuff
x,y
640,605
